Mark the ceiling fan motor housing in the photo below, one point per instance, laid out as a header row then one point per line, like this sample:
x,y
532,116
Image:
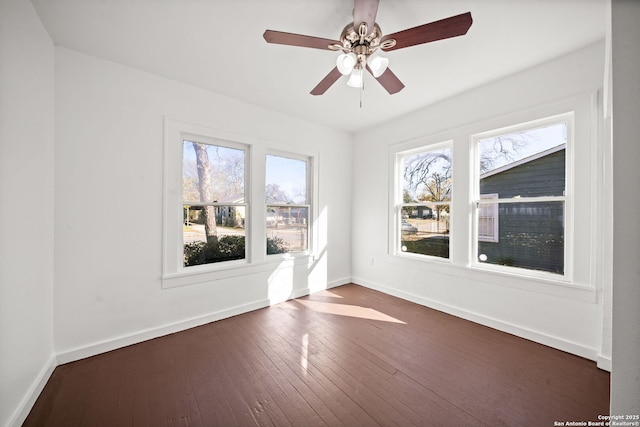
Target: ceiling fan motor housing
x,y
362,46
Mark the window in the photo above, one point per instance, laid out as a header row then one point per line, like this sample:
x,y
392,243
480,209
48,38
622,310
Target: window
x,y
423,207
287,204
213,202
217,222
520,209
527,211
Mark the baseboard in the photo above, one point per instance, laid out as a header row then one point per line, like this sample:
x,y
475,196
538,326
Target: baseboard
x,y
307,291
604,362
144,335
22,411
532,335
147,334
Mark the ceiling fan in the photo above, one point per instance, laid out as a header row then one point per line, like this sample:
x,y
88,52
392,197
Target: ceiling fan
x,y
361,40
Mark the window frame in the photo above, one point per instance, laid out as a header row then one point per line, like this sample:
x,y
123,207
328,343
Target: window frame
x,y
174,274
309,197
567,199
395,224
217,142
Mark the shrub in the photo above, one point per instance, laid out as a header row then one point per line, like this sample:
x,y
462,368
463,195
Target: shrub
x,y
276,245
225,248
194,253
231,247
505,260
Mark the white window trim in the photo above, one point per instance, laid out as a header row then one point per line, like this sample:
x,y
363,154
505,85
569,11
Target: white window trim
x,y
174,274
568,118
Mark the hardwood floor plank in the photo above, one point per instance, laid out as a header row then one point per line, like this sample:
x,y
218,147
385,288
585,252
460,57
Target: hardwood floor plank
x,y
381,376
285,353
347,356
334,383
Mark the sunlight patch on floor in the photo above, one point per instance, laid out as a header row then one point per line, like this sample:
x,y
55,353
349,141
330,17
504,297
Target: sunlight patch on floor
x,y
348,310
329,294
304,353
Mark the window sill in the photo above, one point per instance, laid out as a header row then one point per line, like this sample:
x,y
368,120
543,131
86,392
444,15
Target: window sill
x,y
471,274
419,258
214,272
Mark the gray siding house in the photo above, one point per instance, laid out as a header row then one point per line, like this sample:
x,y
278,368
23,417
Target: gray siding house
x,y
528,235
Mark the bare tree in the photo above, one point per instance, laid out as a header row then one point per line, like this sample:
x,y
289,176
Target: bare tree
x,y
503,147
204,188
229,174
274,194
419,169
437,189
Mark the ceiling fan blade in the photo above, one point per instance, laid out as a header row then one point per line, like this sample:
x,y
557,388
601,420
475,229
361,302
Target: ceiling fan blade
x,y
445,28
364,11
389,81
279,37
326,83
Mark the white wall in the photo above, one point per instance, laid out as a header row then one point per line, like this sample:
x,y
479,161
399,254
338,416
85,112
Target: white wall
x,y
109,189
520,306
26,206
625,375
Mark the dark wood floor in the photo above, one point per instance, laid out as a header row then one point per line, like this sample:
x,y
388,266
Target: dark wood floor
x,y
348,356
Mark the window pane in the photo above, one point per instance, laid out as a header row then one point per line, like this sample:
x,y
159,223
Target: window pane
x,y
286,180
287,229
212,173
213,234
531,235
528,163
424,230
426,176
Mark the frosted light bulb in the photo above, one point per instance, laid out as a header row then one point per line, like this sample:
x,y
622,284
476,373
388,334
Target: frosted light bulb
x,y
346,62
378,65
355,80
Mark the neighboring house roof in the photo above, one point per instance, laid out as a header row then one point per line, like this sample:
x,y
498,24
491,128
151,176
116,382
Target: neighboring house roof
x,y
523,161
271,201
236,198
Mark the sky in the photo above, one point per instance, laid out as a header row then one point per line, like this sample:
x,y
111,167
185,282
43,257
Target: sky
x,y
289,174
537,141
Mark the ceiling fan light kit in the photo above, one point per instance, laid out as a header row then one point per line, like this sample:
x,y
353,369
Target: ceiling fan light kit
x,y
346,62
361,41
356,79
359,49
378,65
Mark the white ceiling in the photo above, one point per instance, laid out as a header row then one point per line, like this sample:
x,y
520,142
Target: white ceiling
x,y
218,45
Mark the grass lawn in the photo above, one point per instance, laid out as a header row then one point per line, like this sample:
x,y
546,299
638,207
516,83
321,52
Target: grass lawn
x,y
432,245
